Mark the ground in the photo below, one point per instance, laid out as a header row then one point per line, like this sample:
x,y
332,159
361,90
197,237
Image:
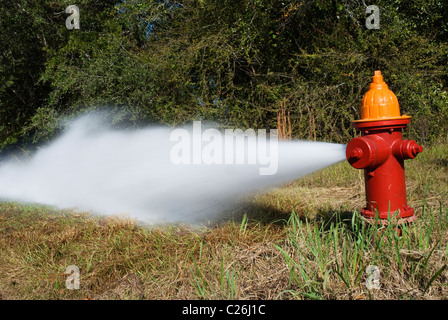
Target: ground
x,y
304,240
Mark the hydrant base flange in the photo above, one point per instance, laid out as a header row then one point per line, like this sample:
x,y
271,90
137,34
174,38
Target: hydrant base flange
x,y
404,216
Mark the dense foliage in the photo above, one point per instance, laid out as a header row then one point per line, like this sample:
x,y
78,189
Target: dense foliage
x,y
228,61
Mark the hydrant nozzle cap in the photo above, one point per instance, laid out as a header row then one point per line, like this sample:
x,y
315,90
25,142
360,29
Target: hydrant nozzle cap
x,y
378,78
380,103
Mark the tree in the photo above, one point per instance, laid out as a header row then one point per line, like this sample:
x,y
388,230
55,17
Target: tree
x,y
228,61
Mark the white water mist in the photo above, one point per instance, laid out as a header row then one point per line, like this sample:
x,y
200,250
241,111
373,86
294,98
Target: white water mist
x,y
91,167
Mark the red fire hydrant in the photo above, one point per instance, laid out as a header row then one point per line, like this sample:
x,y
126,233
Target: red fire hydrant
x,y
381,152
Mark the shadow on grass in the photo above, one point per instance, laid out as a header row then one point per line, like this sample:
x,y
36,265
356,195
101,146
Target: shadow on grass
x,y
258,213
441,162
270,215
328,217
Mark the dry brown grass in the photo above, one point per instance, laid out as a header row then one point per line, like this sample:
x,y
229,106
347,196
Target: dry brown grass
x,y
120,260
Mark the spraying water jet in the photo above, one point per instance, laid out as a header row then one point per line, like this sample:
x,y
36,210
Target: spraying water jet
x,y
137,173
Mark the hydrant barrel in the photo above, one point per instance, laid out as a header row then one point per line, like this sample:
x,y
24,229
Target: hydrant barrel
x,y
381,151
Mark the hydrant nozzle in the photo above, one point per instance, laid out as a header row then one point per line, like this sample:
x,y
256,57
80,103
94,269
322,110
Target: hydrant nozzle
x,y
381,152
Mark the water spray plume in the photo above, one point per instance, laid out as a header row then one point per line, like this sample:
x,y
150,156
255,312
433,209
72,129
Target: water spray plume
x,y
92,167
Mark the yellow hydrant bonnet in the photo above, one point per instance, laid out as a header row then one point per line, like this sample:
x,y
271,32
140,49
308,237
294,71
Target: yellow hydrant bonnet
x,y
380,103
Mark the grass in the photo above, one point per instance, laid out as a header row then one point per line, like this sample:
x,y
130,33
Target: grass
x,y
305,240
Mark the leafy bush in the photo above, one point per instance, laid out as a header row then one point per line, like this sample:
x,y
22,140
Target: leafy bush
x,y
231,62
